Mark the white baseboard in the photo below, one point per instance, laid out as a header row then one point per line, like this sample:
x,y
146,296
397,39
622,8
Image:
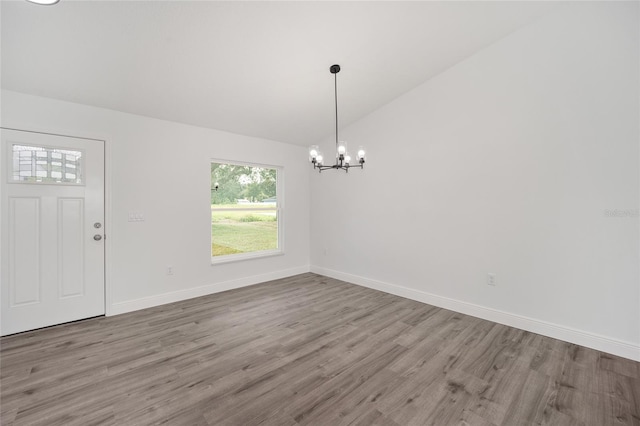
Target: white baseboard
x,y
567,334
190,293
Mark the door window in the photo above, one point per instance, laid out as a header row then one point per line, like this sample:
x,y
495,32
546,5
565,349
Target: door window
x,y
39,164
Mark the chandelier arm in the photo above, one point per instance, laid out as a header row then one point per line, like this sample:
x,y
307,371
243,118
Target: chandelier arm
x,y
339,167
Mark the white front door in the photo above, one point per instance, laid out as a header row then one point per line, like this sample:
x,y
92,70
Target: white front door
x,y
52,225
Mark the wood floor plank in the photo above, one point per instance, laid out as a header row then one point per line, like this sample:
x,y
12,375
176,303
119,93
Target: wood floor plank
x,y
307,350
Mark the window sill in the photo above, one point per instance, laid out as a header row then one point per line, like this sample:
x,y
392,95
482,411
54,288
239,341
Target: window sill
x,y
245,256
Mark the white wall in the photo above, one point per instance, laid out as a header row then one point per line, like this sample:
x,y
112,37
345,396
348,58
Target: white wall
x,y
505,163
162,169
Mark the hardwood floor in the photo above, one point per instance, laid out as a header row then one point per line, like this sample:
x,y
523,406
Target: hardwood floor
x,y
308,350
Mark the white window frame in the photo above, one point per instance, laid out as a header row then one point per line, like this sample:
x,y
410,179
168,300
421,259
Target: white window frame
x,y
216,260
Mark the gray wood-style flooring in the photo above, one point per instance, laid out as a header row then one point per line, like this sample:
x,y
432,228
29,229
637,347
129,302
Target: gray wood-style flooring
x,y
308,350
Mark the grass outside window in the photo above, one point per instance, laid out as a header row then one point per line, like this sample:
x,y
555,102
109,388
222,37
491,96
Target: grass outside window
x,y
235,232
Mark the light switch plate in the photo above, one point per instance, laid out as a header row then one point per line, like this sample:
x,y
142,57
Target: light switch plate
x,y
136,216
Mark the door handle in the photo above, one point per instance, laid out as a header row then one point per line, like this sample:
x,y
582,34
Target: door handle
x,y
97,237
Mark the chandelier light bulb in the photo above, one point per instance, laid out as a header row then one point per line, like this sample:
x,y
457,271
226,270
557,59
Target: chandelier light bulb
x,y
342,149
319,158
313,152
361,153
347,159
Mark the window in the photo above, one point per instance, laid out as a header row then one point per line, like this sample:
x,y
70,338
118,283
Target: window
x,y
36,164
245,211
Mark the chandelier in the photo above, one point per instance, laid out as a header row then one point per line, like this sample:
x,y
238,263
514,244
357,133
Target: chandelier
x,y
343,159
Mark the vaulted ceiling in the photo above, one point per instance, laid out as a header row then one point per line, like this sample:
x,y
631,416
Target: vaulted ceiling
x,y
253,68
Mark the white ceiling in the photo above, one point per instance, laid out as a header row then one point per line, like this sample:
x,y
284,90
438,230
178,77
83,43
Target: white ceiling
x,y
253,68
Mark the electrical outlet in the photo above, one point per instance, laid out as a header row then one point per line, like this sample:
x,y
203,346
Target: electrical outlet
x,y
491,279
169,270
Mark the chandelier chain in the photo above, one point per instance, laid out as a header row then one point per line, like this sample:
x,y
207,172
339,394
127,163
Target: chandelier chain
x,y
335,77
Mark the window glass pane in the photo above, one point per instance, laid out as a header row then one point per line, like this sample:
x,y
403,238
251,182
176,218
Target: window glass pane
x,y
235,232
242,185
244,215
34,164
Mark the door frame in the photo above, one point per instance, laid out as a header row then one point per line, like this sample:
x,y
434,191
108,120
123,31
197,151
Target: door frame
x,y
30,128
